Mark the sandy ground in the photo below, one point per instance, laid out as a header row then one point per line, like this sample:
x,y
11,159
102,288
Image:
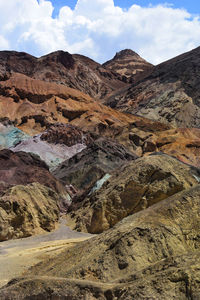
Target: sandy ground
x,y
16,256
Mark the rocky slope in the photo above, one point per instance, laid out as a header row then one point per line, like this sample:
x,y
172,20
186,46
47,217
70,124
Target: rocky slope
x,y
170,94
134,187
58,143
75,71
94,163
129,65
30,197
150,255
26,210
33,105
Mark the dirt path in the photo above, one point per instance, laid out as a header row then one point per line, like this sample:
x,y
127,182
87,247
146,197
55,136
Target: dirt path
x,y
16,256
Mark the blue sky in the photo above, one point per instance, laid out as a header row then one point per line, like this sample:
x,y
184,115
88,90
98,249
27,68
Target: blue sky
x,y
100,28
191,6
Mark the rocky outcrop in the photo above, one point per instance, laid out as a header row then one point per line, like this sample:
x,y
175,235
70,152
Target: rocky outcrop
x,y
21,168
129,65
84,169
150,255
10,136
28,210
75,71
58,143
33,105
30,197
170,94
134,187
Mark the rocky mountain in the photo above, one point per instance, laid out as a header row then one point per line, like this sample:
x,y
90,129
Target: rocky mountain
x,y
129,65
169,94
127,171
74,71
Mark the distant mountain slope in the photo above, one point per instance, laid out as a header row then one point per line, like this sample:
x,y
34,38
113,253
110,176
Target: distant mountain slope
x,y
129,65
170,94
75,71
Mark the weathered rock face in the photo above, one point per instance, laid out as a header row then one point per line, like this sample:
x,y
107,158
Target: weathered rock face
x,y
66,134
182,143
170,94
22,168
150,255
28,210
83,170
134,187
10,136
58,143
33,105
30,197
75,71
129,65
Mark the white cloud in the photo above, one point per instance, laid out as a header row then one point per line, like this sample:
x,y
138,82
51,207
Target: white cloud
x,y
97,29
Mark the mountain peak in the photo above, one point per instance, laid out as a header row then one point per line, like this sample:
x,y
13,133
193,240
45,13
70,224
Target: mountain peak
x,y
129,64
124,53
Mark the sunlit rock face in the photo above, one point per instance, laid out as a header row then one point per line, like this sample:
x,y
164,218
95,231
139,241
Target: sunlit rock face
x,y
30,197
26,210
133,187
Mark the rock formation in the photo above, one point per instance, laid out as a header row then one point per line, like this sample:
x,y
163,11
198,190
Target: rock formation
x,y
30,197
136,186
75,71
99,159
26,210
129,65
170,94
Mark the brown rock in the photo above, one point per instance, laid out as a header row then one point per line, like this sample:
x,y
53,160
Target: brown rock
x,y
75,71
129,65
66,134
21,168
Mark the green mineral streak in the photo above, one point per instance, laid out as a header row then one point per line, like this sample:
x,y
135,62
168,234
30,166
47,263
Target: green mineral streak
x,y
10,136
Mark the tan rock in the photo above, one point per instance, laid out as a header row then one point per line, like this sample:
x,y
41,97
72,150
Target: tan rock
x,y
28,210
153,254
136,186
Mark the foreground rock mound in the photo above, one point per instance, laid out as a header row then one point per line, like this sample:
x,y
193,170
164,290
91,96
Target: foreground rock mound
x,y
150,255
30,197
134,187
28,210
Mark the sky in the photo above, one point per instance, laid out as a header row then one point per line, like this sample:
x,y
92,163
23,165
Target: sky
x,y
157,30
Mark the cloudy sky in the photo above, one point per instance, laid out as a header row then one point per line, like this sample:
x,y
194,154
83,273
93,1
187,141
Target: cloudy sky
x,y
99,28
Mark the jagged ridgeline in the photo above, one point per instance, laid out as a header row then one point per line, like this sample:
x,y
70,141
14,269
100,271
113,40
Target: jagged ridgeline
x,y
99,177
